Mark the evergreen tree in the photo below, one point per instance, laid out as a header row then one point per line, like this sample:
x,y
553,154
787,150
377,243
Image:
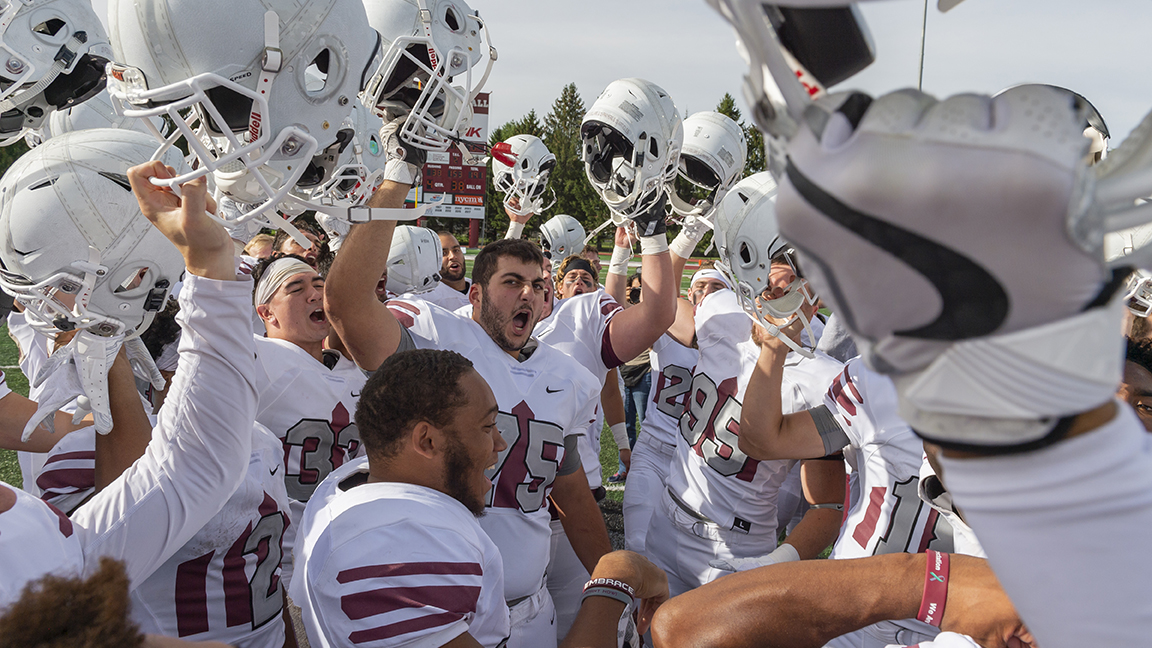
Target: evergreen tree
x,y
755,160
574,194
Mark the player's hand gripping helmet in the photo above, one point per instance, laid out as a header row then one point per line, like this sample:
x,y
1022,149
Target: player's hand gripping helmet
x,y
630,146
258,92
521,166
77,252
748,240
712,158
52,56
414,260
430,71
561,237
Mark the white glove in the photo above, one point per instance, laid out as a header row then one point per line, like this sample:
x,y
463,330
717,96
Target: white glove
x,y
784,553
405,162
228,210
689,237
335,228
79,369
974,219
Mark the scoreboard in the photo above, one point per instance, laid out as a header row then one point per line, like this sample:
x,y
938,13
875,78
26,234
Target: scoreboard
x,y
460,186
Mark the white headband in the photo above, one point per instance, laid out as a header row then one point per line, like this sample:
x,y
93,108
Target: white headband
x,y
275,275
709,273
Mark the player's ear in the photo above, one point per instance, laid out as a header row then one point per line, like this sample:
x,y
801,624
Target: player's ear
x,y
475,296
425,439
265,313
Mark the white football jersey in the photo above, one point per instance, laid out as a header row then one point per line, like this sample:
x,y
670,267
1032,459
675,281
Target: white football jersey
x,y
710,474
193,463
542,400
224,584
36,539
444,296
885,514
578,328
310,408
672,366
33,349
391,564
932,491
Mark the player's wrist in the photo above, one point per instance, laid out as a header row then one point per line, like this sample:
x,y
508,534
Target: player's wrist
x,y
618,265
935,593
655,244
620,435
515,230
684,244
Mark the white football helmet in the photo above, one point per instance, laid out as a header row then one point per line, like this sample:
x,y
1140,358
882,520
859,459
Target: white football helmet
x,y
432,51
712,158
1138,295
748,239
414,260
630,146
77,252
52,56
561,237
359,165
97,112
258,93
520,169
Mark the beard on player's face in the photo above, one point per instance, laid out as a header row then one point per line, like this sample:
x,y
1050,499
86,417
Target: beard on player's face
x,y
452,272
459,477
495,323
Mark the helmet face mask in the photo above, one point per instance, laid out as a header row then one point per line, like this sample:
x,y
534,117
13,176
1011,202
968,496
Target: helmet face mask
x,y
630,145
259,116
95,263
521,167
52,56
748,240
428,73
358,165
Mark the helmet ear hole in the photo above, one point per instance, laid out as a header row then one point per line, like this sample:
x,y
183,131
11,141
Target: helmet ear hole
x,y
316,74
49,27
745,253
133,280
451,19
653,148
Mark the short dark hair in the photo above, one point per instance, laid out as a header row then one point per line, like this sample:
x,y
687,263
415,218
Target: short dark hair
x,y
410,387
1140,352
590,249
303,226
485,265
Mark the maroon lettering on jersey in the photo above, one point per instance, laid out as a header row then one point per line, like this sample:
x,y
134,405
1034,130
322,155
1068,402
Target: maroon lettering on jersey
x,y
456,601
867,526
192,595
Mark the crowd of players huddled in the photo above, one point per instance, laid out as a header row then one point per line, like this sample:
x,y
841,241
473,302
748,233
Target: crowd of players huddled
x,y
246,430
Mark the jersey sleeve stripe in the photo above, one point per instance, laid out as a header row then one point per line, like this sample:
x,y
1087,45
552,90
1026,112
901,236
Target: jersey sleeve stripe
x,y
459,600
403,627
82,455
67,479
408,569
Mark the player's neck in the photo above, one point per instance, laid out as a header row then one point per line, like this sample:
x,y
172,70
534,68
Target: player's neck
x,y
460,285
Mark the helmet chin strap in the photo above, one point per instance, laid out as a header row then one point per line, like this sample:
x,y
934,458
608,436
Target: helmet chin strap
x,y
64,58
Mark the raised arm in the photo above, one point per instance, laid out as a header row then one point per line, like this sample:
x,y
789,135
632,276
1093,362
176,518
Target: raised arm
x,y
131,429
367,328
766,433
636,328
200,448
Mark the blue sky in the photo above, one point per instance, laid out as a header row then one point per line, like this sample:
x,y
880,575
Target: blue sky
x,y
1098,48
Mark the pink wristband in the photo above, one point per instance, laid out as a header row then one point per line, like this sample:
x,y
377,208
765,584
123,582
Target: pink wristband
x,y
935,588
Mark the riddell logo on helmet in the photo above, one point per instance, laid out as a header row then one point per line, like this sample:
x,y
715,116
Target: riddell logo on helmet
x,y
254,127
433,59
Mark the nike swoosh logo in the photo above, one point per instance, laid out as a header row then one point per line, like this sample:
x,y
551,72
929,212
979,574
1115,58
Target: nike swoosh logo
x,y
355,394
274,469
552,391
974,303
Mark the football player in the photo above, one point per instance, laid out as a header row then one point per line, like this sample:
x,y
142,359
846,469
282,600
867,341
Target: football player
x,y
987,298
452,292
198,452
719,503
209,567
1136,387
